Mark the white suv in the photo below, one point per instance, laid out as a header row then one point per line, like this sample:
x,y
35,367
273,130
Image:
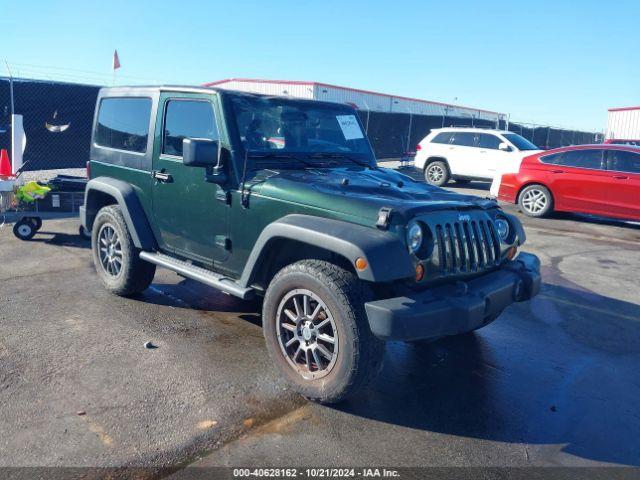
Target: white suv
x,y
466,154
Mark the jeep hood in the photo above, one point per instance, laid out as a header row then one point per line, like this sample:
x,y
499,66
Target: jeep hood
x,y
360,191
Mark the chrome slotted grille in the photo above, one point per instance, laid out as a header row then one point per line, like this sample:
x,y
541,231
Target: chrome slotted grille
x,y
466,246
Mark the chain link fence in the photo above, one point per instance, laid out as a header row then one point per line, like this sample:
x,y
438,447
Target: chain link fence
x,y
394,135
57,120
58,116
552,137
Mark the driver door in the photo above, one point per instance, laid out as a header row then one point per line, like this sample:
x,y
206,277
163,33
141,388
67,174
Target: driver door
x,y
191,214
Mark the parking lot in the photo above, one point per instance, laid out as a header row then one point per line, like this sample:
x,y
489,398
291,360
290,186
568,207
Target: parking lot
x,y
553,382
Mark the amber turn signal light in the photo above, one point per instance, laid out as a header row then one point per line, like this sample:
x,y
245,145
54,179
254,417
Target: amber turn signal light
x,y
419,272
511,253
361,263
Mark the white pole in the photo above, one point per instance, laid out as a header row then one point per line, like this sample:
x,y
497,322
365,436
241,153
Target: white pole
x,y
18,143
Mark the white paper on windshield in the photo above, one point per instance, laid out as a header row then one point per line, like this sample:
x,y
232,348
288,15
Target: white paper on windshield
x,y
350,128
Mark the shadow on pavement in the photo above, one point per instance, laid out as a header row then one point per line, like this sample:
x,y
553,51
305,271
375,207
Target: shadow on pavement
x,y
195,296
453,185
579,217
62,239
565,375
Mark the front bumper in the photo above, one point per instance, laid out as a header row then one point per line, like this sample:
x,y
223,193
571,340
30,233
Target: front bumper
x,y
456,308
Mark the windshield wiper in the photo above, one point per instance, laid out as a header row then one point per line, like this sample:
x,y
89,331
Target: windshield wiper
x,y
340,155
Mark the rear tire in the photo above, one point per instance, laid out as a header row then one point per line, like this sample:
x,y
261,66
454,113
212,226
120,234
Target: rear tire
x,y
535,201
437,173
37,222
115,256
321,344
24,229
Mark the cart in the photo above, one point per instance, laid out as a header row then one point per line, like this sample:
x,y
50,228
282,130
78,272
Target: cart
x,y
62,200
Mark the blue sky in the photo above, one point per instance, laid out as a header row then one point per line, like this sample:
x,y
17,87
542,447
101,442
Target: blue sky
x,y
554,62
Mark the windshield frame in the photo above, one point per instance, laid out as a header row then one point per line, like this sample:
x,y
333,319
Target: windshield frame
x,y
332,159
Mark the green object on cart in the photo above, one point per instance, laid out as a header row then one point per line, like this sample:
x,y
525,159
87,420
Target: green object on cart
x,y
32,191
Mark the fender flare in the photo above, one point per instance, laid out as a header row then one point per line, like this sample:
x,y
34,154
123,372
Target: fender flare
x,y
386,256
435,158
125,196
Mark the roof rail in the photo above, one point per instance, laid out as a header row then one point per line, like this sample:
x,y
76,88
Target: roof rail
x,y
472,126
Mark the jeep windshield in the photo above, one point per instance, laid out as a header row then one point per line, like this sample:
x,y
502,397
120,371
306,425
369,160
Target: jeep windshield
x,y
294,132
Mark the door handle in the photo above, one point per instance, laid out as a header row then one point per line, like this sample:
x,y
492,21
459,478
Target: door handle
x,y
557,171
620,177
161,176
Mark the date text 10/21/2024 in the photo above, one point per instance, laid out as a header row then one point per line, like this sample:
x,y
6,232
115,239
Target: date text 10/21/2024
x,y
316,472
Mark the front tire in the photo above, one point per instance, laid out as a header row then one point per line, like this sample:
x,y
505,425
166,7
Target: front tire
x,y
437,173
317,333
535,201
115,256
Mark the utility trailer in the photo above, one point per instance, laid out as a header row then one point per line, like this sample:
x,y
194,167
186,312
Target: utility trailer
x,y
63,201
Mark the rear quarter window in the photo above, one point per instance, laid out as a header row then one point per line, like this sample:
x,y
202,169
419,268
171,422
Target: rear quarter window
x,y
551,159
123,123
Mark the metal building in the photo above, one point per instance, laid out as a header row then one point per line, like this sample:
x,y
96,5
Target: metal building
x,y
624,123
362,99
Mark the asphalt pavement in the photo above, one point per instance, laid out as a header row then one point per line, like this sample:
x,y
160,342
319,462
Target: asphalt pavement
x,y
552,382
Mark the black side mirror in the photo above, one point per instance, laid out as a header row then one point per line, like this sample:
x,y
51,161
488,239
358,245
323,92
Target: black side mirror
x,y
197,152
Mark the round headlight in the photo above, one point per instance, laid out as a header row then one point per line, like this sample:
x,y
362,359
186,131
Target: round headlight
x,y
503,228
414,237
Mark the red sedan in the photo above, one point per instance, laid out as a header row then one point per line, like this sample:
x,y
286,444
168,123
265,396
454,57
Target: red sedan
x,y
595,179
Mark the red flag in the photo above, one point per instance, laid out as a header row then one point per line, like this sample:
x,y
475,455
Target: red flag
x,y
116,60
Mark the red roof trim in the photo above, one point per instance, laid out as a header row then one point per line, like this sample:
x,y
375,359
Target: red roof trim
x,y
623,109
258,80
358,90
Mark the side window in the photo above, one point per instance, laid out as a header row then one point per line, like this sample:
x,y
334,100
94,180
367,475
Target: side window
x,y
489,141
591,159
187,119
443,137
123,123
464,139
623,161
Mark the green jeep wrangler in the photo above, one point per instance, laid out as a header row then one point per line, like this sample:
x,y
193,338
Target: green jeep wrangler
x,y
282,198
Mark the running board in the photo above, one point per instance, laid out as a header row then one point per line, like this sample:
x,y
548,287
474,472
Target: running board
x,y
199,274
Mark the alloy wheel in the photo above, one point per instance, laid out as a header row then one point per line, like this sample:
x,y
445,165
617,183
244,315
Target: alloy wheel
x,y
307,334
534,200
110,250
435,173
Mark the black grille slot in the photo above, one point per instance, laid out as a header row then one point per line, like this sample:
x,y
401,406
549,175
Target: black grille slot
x,y
466,246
